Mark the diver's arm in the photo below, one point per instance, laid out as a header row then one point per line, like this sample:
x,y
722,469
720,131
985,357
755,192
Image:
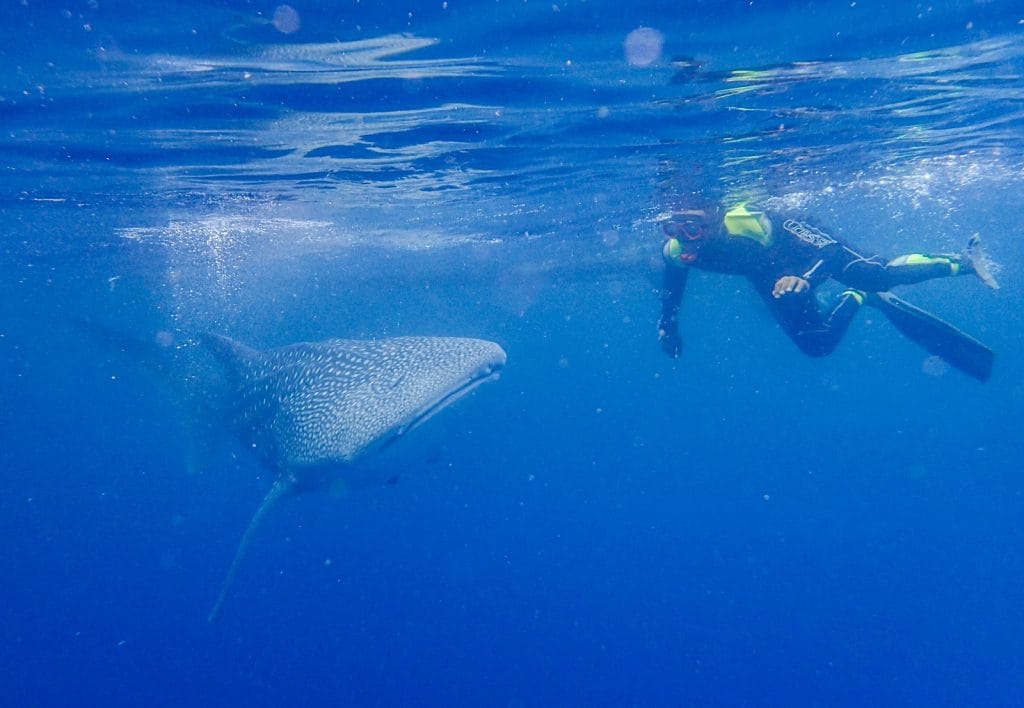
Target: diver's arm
x,y
673,286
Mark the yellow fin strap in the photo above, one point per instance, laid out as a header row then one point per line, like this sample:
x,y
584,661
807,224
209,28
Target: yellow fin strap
x,y
856,295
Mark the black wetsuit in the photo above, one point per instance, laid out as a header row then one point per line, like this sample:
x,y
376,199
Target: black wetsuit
x,y
793,246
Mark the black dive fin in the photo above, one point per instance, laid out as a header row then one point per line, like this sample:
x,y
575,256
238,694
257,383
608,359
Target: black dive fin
x,y
937,336
979,262
279,489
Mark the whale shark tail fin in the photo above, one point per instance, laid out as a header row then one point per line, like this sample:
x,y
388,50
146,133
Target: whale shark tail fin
x,y
150,354
195,379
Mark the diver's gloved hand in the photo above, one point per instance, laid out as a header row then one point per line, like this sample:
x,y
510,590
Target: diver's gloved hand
x,y
668,337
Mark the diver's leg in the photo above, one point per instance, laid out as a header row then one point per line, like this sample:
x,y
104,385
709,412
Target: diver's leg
x,y
815,333
874,274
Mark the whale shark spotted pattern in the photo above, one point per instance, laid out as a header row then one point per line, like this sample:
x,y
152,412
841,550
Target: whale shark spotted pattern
x,y
310,407
329,402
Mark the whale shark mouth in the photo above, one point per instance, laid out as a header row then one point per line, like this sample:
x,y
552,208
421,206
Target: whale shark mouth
x,y
435,406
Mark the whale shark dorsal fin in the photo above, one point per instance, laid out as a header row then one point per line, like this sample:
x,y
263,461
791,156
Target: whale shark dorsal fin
x,y
229,351
280,488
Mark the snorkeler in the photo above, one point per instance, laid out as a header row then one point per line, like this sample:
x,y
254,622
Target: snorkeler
x,y
786,258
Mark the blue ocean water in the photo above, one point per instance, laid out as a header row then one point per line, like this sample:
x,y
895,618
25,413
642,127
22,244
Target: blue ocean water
x,y
602,526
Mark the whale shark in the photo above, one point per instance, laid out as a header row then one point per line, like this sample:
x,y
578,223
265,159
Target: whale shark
x,y
315,412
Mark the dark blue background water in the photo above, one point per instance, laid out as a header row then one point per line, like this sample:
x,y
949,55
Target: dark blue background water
x,y
603,526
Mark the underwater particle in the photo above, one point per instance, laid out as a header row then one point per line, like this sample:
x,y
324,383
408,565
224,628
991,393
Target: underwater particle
x,y
286,19
935,366
164,338
338,490
643,46
168,561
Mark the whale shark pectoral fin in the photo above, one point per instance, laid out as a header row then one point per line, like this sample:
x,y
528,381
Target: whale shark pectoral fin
x,y
280,488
